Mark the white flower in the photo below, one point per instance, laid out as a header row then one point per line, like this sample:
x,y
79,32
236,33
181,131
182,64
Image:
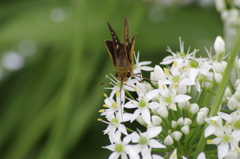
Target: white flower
x,y
128,85
158,75
143,105
112,106
169,97
232,154
140,65
233,119
215,123
115,123
225,137
178,75
119,147
146,141
179,56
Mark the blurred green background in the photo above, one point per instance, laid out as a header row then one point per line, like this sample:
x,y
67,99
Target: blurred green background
x,y
53,58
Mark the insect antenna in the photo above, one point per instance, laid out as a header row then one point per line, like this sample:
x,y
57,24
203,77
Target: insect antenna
x,y
139,75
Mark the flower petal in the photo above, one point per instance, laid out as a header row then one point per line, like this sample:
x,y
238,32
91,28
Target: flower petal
x,y
114,155
152,94
155,144
182,98
146,116
222,150
154,131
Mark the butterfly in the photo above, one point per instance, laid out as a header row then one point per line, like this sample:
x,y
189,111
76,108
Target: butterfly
x,y
121,53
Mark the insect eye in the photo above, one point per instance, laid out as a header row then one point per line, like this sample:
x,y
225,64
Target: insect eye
x,y
128,74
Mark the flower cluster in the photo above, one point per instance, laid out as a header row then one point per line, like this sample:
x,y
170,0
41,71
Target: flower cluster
x,y
165,117
230,14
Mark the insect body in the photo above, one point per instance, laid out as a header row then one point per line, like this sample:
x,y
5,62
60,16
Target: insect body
x,y
121,54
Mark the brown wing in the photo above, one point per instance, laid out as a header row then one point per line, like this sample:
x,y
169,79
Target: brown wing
x,y
131,52
109,45
116,42
126,36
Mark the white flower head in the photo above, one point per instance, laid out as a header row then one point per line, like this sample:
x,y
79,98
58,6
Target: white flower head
x,y
215,123
143,105
119,147
141,65
226,139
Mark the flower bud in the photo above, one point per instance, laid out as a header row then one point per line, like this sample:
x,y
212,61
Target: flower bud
x,y
194,108
232,104
220,6
238,64
174,124
187,121
227,92
218,77
156,120
182,89
201,118
176,135
219,44
224,15
168,140
159,73
163,111
182,105
180,121
209,85
238,89
237,83
205,110
153,79
185,129
236,95
140,120
219,67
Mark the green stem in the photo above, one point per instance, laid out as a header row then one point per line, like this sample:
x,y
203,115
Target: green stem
x,y
217,102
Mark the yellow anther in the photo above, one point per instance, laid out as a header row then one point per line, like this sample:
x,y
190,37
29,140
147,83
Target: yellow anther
x,y
175,86
135,88
101,110
99,119
163,87
105,106
174,64
185,68
117,93
167,71
227,125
